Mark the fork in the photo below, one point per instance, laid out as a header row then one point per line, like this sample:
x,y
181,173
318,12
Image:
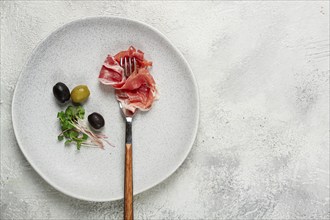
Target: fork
x,y
128,66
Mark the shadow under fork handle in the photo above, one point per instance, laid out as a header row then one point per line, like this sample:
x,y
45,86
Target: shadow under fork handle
x,y
128,185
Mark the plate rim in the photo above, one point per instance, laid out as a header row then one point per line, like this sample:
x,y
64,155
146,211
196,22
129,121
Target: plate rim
x,y
35,167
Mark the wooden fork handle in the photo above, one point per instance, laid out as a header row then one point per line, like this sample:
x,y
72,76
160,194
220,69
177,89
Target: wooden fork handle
x,y
128,194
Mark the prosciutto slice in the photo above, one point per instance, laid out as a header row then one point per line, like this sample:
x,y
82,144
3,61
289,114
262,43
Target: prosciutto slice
x,y
133,53
112,73
138,91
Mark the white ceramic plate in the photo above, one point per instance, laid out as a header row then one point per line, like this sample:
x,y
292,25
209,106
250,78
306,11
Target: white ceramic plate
x,y
162,137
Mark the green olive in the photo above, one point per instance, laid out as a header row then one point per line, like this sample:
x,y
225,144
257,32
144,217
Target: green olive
x,y
80,93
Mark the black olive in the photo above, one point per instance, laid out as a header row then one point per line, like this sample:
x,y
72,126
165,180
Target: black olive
x,y
61,92
96,120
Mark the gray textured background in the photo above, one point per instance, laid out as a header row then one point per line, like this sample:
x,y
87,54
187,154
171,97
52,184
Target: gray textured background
x,y
262,149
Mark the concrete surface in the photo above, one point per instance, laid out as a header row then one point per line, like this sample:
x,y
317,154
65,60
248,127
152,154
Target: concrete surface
x,y
262,150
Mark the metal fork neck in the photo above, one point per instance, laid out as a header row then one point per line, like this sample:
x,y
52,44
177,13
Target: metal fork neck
x,y
129,119
128,136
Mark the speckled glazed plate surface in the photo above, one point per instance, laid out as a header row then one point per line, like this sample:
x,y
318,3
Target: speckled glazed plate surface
x,y
73,54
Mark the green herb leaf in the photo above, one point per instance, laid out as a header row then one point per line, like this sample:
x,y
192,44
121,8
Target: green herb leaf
x,y
85,137
66,134
78,145
61,116
60,137
73,134
80,112
70,111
